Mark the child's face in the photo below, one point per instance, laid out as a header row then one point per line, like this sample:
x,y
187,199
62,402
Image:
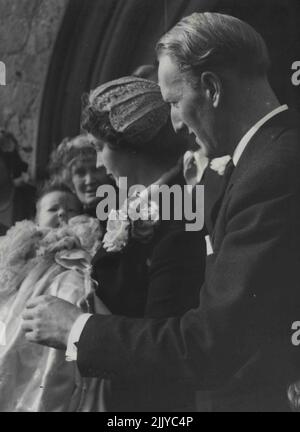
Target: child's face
x,y
56,208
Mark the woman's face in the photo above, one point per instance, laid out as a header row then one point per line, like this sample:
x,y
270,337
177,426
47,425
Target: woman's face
x,y
56,208
86,178
117,163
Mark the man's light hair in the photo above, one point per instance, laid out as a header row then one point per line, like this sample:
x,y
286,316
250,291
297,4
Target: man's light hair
x,y
213,41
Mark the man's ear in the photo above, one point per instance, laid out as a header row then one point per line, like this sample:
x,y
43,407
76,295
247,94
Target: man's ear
x,y
212,87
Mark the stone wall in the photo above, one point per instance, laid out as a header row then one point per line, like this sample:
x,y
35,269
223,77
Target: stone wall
x,y
28,29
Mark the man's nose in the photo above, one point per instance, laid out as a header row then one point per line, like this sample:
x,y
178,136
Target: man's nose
x,y
177,123
99,162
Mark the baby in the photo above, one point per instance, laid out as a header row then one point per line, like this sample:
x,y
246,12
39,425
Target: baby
x,y
56,205
49,256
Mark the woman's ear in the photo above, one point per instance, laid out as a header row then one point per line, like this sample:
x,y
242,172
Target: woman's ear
x,y
212,88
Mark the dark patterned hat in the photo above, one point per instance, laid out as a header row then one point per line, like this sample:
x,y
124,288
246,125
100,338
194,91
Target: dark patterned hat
x,y
134,105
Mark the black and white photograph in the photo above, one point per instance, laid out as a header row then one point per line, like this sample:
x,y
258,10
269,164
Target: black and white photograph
x,y
149,208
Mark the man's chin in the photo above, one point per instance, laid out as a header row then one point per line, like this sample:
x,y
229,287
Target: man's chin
x,y
209,151
213,153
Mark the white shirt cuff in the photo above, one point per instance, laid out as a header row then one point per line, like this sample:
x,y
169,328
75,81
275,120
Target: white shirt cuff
x,y
74,336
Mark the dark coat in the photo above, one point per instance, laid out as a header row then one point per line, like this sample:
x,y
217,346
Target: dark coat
x,y
157,279
238,340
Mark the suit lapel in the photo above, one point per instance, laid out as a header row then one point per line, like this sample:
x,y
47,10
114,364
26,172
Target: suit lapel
x,y
264,136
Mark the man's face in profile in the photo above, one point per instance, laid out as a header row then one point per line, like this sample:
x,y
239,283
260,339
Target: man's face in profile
x,y
190,109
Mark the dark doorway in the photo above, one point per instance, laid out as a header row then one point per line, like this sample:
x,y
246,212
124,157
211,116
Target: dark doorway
x,y
100,40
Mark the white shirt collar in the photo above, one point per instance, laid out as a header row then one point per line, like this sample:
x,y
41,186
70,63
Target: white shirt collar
x,y
247,137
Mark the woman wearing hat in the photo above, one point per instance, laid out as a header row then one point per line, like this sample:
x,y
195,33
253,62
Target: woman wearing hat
x,y
17,199
73,163
150,268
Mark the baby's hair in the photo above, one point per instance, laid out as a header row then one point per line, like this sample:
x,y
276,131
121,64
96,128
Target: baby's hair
x,y
50,187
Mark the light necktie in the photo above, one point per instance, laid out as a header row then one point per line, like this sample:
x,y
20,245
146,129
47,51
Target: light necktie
x,y
224,183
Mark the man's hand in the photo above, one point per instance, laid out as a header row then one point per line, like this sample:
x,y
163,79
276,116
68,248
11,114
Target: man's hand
x,y
48,320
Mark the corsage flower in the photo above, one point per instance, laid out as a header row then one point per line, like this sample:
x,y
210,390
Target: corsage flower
x,y
219,164
143,227
117,231
136,219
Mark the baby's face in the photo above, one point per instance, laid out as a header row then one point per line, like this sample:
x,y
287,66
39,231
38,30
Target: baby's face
x,y
56,208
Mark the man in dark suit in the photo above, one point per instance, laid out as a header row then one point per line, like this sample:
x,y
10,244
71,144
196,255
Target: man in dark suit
x,y
236,347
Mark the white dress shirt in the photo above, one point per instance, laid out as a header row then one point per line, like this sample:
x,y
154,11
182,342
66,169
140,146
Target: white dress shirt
x,y
74,336
247,137
79,324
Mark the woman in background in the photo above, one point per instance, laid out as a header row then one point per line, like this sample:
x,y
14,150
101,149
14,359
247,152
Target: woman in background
x,y
74,164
